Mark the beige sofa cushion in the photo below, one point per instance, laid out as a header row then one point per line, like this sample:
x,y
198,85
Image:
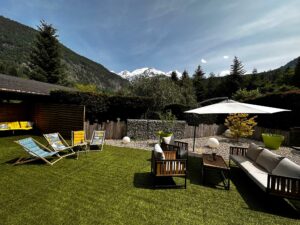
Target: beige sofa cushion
x,y
268,160
253,151
287,168
254,171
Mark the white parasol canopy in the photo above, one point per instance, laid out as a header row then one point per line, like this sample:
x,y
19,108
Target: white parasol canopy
x,y
230,106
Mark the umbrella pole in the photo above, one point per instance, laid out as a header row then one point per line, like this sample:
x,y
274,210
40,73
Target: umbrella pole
x,y
194,138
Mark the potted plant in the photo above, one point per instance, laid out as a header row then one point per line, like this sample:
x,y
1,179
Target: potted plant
x,y
168,123
272,141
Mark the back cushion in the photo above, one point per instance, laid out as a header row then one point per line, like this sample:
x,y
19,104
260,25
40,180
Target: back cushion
x,y
158,152
253,151
268,160
287,168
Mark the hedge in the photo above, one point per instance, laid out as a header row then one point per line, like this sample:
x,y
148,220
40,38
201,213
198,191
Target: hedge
x,y
283,120
103,107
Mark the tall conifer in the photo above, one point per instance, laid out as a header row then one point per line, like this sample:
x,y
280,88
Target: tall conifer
x,y
45,57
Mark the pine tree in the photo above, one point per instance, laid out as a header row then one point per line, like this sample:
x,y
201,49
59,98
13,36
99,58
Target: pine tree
x,y
187,90
174,76
234,80
254,71
45,58
185,76
198,82
296,77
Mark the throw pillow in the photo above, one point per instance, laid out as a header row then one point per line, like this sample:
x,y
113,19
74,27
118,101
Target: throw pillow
x,y
268,160
169,140
287,168
158,152
253,151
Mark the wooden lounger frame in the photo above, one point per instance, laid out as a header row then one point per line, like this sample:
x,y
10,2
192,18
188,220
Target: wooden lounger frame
x,y
23,160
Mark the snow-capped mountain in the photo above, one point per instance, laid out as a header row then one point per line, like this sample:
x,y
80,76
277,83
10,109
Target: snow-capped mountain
x,y
148,72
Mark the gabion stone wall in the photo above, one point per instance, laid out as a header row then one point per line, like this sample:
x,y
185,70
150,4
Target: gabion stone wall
x,y
147,129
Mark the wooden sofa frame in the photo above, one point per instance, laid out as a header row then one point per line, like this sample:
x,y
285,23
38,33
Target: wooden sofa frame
x,y
281,186
169,167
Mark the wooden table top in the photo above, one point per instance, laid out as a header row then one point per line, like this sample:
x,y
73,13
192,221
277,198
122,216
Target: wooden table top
x,y
219,163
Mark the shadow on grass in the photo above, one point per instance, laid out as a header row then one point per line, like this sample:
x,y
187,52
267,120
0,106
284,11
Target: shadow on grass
x,y
258,200
212,178
146,181
143,180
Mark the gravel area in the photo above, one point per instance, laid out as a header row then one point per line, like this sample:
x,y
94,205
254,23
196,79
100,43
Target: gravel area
x,y
201,146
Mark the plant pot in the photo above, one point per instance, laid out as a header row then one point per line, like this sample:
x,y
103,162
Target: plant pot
x,y
162,134
272,141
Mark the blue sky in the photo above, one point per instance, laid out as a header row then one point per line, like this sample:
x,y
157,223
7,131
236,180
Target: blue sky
x,y
170,34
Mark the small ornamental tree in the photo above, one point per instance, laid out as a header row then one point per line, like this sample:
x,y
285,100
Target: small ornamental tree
x,y
240,125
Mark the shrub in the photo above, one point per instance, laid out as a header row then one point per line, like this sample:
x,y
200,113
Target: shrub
x,y
103,107
240,125
243,94
283,120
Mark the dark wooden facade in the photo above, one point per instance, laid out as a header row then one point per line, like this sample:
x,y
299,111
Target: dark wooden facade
x,y
47,117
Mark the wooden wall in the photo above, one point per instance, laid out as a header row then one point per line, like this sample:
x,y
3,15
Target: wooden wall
x,y
59,118
10,112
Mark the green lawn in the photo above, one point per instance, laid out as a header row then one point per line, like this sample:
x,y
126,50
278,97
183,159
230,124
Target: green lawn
x,y
114,187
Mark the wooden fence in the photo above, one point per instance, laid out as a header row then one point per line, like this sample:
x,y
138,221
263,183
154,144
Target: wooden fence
x,y
203,130
117,130
114,130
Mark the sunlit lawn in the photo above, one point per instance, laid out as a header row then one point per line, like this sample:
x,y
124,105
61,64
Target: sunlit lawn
x,y
114,187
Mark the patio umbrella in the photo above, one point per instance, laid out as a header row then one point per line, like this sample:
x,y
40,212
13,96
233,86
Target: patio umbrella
x,y
229,106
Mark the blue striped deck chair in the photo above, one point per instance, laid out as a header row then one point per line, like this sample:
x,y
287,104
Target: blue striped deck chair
x,y
97,140
58,143
37,151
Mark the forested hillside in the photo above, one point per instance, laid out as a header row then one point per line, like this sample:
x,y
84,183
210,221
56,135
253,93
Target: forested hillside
x,y
15,46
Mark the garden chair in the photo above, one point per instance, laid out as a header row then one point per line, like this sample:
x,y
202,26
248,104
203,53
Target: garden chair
x,y
58,143
97,140
168,143
164,163
37,150
79,140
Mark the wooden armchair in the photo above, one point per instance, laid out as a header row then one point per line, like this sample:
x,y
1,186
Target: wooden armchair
x,y
168,167
180,147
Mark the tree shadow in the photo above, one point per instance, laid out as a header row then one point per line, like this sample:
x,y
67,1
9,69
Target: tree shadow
x,y
257,200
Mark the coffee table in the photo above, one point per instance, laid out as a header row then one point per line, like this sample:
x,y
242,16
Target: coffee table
x,y
219,165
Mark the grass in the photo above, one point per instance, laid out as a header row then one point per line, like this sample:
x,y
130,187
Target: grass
x,y
114,187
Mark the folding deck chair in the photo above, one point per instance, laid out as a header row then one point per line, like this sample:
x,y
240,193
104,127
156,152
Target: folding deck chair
x,y
79,140
97,140
37,151
58,143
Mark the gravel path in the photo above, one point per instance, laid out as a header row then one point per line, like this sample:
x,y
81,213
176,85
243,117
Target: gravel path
x,y
201,147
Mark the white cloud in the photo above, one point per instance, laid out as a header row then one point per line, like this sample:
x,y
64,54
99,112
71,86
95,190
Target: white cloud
x,y
225,56
203,61
224,73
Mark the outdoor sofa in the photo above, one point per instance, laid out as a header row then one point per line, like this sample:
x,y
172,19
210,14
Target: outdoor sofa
x,y
274,174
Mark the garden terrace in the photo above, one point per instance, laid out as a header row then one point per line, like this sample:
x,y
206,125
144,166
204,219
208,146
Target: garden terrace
x,y
115,187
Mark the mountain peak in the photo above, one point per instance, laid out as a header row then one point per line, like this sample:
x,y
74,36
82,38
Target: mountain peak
x,y
145,71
